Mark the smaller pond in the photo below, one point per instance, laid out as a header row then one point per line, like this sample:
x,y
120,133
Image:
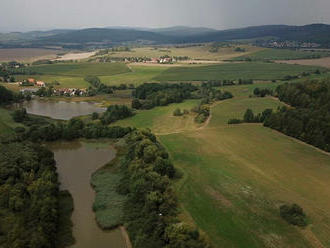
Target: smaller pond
x,y
76,162
61,110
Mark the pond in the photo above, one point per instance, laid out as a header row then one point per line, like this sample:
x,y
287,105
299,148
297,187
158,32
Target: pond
x,y
60,109
76,162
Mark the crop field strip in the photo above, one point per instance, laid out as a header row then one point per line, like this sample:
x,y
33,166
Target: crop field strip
x,y
234,71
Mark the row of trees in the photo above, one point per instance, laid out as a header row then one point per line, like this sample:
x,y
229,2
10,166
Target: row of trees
x,y
151,208
262,92
42,130
309,119
250,117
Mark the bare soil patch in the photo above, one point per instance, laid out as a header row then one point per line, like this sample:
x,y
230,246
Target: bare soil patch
x,y
325,62
75,56
26,54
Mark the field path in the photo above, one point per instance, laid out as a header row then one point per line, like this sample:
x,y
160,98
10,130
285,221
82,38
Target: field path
x,y
126,237
309,235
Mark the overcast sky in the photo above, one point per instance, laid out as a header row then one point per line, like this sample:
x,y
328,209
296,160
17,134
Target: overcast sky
x,y
23,15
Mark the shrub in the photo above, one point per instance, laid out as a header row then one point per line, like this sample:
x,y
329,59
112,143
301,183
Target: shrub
x,y
177,112
235,121
293,214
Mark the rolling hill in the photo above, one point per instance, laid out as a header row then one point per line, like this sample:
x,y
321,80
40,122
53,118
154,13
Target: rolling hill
x,y
317,33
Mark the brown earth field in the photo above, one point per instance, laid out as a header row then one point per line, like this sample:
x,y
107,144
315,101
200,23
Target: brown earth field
x,y
325,62
26,54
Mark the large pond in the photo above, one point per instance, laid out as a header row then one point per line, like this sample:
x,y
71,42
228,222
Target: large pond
x,y
76,162
60,109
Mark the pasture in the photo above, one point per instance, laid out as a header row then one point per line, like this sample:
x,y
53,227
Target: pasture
x,y
237,176
282,54
234,71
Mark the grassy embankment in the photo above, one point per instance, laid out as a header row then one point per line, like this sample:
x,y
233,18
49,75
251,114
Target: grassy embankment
x,y
7,124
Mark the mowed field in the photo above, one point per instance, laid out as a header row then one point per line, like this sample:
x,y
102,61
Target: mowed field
x,y
237,176
26,54
234,71
283,54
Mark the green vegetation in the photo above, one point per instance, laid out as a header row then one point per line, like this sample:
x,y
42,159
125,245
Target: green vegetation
x,y
65,209
108,204
309,120
29,196
150,211
293,214
234,71
81,69
281,54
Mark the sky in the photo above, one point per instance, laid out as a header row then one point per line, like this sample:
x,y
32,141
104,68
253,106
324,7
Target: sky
x,y
27,15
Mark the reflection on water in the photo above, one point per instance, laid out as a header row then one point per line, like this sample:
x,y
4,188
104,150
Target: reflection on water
x,y
76,162
61,110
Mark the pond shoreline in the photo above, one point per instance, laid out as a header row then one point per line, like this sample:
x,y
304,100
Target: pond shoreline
x,y
90,156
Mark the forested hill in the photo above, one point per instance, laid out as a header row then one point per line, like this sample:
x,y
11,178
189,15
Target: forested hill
x,y
315,33
106,34
318,33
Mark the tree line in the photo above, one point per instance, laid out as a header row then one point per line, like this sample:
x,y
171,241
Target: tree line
x,y
309,117
151,209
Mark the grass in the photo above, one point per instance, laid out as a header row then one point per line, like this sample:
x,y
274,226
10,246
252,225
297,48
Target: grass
x,y
234,71
161,119
7,124
237,176
108,204
283,54
81,69
137,75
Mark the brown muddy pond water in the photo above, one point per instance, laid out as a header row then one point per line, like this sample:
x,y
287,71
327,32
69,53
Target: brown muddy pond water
x,y
76,162
60,109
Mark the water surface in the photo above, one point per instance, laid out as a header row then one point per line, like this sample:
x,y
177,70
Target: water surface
x,y
76,161
60,109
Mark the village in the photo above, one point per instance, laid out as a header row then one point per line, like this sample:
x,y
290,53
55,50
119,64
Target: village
x,y
57,92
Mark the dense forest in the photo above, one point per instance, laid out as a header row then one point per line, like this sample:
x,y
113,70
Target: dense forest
x,y
151,208
29,196
309,117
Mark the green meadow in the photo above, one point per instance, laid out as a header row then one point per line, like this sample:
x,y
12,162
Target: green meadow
x,y
235,177
81,69
234,71
282,54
